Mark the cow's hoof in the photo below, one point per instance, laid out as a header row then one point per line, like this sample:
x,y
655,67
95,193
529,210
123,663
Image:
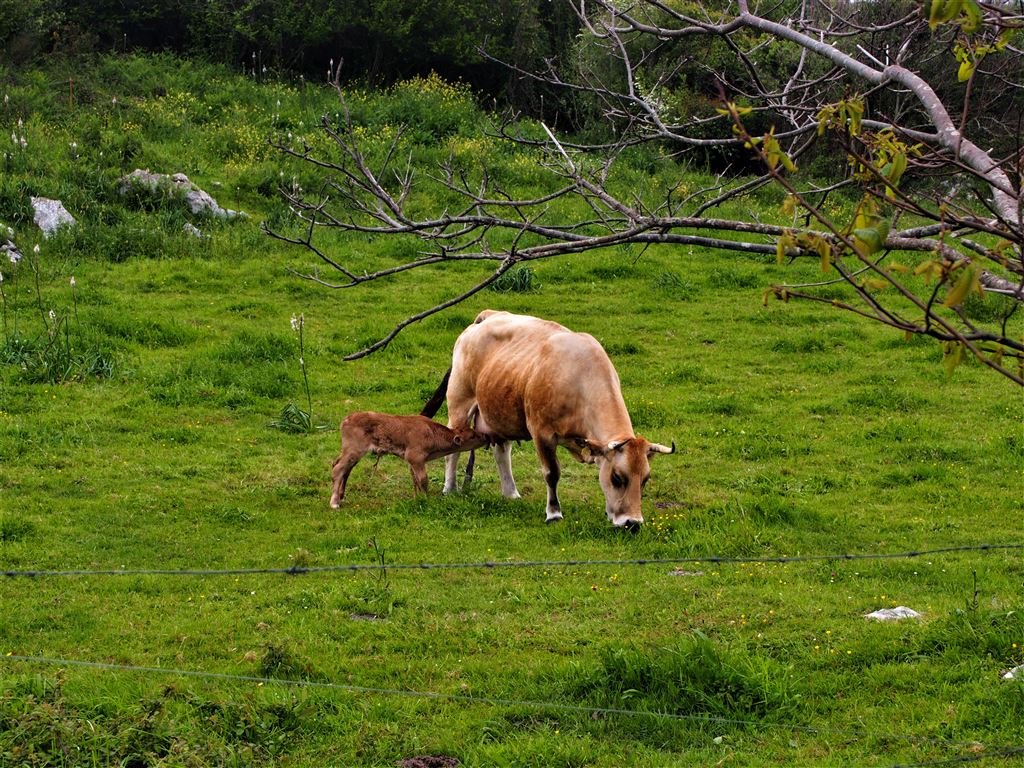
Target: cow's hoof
x,y
553,518
335,504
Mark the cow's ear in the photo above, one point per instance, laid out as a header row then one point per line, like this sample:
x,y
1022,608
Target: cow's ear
x,y
457,439
654,448
590,451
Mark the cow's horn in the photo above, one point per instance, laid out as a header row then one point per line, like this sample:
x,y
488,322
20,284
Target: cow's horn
x,y
656,448
614,445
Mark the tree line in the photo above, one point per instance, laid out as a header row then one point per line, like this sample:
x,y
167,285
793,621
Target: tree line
x,y
380,41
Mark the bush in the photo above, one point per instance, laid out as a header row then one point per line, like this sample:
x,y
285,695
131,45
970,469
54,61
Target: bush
x,y
518,280
693,677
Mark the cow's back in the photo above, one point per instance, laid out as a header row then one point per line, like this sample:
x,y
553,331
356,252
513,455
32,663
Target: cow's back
x,y
522,369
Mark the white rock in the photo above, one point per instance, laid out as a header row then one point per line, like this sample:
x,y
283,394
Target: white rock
x,y
893,614
198,200
191,230
1017,673
10,251
50,215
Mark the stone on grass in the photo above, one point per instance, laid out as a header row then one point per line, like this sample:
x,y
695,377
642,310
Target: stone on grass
x,y
10,251
192,230
893,614
1017,673
198,201
50,215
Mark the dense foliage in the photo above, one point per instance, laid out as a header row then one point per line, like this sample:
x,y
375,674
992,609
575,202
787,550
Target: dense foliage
x,y
380,42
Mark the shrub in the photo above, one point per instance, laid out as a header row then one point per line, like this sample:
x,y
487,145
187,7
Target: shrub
x,y
432,108
518,280
691,677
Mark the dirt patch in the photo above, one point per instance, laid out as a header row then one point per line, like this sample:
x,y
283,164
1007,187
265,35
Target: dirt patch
x,y
428,761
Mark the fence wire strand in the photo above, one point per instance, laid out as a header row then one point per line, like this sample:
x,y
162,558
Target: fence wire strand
x,y
972,756
297,570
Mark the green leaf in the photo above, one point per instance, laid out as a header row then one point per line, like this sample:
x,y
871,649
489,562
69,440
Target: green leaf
x,y
972,19
954,354
969,280
868,240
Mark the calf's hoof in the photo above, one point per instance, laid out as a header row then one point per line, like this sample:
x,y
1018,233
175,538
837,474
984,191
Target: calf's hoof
x,y
553,517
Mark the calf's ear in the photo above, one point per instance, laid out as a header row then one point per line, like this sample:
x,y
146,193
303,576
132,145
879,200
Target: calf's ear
x,y
457,439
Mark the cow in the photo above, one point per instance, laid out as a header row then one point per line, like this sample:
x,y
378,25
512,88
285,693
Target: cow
x,y
516,377
417,439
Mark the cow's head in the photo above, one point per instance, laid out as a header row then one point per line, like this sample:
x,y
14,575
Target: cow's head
x,y
624,473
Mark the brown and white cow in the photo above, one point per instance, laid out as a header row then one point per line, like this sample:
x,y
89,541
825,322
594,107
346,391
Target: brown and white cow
x,y
417,439
532,379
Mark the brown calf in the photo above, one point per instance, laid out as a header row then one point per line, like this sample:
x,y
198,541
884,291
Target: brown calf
x,y
417,439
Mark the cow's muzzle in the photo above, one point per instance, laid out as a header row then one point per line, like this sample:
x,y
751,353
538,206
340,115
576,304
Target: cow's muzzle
x,y
628,524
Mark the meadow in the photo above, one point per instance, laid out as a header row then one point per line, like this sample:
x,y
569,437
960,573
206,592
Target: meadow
x,y
143,376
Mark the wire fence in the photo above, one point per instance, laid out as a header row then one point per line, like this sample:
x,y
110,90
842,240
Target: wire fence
x,y
973,750
297,570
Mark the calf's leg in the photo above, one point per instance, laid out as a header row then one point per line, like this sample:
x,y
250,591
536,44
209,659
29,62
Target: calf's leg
x,y
419,473
340,472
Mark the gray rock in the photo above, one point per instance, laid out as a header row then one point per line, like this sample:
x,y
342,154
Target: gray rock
x,y
194,231
893,614
50,215
10,251
199,201
1017,673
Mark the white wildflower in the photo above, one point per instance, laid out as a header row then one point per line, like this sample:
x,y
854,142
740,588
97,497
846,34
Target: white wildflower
x,y
113,101
14,137
53,315
72,281
35,249
7,99
22,143
302,363
295,323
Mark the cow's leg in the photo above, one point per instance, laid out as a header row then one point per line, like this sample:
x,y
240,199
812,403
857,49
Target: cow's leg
x,y
552,473
503,460
340,472
460,406
451,469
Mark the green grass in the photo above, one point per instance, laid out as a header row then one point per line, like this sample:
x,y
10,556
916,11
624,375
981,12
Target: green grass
x,y
800,431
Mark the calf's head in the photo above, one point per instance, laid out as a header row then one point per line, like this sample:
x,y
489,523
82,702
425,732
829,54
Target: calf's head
x,y
467,439
624,472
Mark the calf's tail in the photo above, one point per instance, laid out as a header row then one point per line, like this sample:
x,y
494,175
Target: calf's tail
x,y
434,403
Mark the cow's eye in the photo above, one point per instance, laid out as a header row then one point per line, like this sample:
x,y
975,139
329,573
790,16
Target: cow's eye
x,y
619,481
644,481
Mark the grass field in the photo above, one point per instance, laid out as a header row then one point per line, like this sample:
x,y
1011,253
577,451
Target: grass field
x,y
135,436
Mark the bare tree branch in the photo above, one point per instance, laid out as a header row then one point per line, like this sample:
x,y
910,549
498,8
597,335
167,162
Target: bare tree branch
x,y
820,79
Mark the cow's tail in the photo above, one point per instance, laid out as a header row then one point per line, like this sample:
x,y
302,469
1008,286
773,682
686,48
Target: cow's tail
x,y
434,403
